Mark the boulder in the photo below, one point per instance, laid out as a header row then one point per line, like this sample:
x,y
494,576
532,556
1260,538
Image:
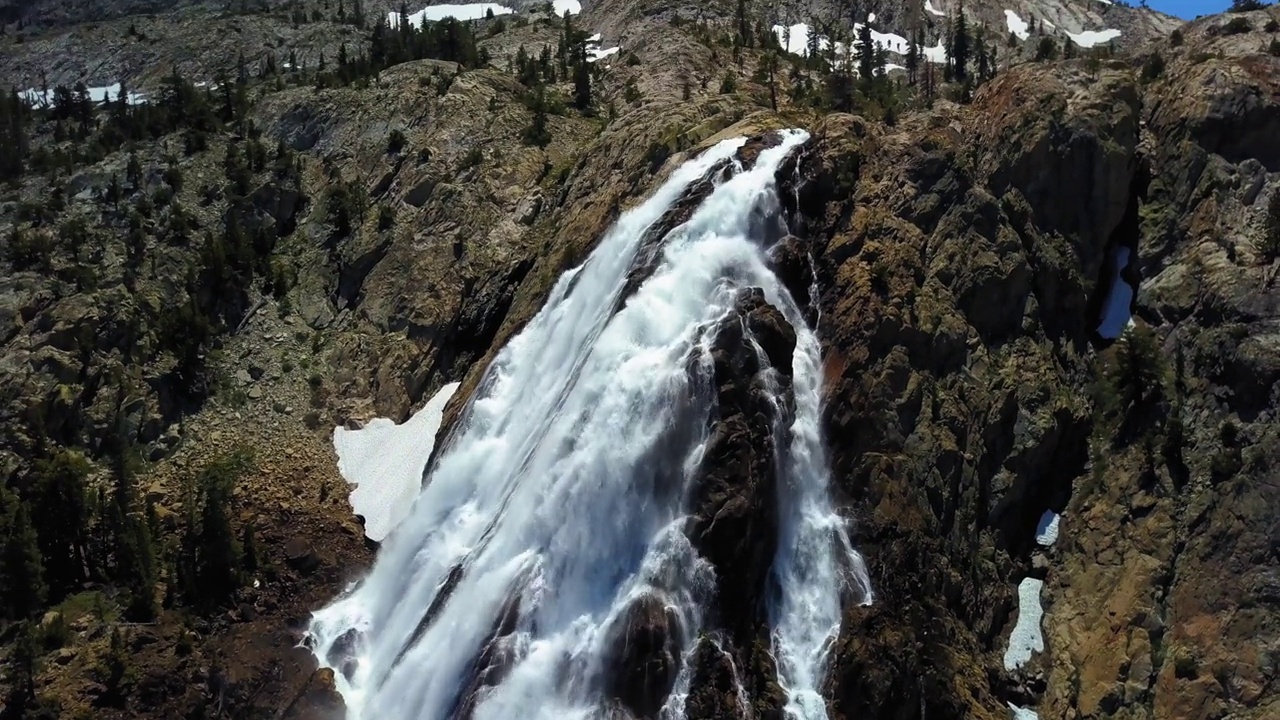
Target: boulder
x,y
300,555
643,656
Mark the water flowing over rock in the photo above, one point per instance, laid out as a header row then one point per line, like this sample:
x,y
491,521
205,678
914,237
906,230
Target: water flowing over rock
x,y
640,466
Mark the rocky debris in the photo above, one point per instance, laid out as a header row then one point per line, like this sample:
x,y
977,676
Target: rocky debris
x,y
643,656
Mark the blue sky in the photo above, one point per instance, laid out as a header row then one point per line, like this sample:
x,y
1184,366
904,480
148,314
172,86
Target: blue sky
x,y
1188,9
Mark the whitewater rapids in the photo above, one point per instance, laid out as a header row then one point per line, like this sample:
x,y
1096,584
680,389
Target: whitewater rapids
x,y
560,497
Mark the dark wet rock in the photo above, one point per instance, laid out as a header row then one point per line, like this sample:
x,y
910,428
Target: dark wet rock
x,y
750,151
344,654
497,657
643,656
734,519
317,700
790,261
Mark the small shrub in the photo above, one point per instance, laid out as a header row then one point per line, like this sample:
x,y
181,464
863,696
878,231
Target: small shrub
x,y
386,217
632,60
1237,26
474,157
1184,663
1152,67
1272,26
1175,39
728,84
630,92
1269,246
1274,47
396,142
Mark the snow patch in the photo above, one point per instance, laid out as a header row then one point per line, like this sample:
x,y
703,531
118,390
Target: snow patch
x,y
928,6
573,7
871,17
1017,25
436,13
1021,713
594,51
385,462
108,93
1089,38
1047,528
794,38
937,55
597,54
1116,316
1026,637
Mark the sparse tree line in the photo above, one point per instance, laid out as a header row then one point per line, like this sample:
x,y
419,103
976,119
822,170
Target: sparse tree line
x,y
72,516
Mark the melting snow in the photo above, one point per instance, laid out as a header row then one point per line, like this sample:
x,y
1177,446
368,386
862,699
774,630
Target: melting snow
x,y
935,54
1026,637
1047,529
573,7
1021,713
928,6
1089,38
435,13
594,51
1017,25
795,37
1115,316
96,94
796,40
595,54
385,462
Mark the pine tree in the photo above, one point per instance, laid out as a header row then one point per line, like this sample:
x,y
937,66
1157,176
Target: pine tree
x,y
21,698
913,58
960,47
22,588
212,553
866,56
537,133
60,513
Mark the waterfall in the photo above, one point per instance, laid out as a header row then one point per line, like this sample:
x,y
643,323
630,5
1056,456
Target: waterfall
x,y
559,502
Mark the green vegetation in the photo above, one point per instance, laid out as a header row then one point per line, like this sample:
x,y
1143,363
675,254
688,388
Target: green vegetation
x,y
1152,67
1237,26
1269,245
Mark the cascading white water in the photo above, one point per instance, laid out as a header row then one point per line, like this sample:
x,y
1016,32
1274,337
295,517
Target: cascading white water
x,y
559,501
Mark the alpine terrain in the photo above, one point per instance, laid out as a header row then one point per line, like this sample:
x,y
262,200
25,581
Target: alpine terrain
x,y
639,359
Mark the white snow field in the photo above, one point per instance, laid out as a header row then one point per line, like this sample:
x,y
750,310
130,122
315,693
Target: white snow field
x,y
385,462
